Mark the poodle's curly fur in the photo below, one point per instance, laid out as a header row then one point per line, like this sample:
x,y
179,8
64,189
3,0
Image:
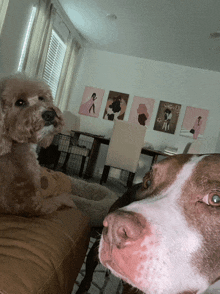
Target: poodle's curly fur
x,y
27,116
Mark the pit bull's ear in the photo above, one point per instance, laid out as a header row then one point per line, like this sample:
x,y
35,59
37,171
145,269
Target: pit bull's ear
x,y
5,142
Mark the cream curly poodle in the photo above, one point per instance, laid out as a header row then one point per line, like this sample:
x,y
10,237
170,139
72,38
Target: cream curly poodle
x,y
28,116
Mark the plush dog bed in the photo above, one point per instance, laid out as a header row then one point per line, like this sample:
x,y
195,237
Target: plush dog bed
x,y
92,199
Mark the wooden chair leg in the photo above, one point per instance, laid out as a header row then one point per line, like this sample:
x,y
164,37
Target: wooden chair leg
x,y
57,160
82,166
65,162
105,174
130,179
91,263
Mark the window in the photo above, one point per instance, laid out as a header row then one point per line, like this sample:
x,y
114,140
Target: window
x,y
3,10
24,49
54,62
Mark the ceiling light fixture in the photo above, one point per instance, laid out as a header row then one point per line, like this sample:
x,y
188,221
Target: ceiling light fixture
x,y
215,35
111,16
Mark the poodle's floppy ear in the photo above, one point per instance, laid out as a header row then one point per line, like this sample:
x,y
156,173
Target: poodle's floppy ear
x,y
5,143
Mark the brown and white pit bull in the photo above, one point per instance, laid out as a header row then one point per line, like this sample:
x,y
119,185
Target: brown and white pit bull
x,y
167,242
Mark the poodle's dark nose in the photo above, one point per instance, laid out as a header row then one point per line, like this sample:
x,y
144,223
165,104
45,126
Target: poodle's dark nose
x,y
48,116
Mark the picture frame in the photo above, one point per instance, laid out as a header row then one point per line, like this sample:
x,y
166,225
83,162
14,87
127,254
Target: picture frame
x,y
91,101
115,106
141,110
167,117
194,122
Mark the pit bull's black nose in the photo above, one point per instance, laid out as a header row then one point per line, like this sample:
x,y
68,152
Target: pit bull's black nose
x,y
48,116
122,228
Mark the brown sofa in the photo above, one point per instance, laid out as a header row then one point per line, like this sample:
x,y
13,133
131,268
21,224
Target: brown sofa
x,y
42,255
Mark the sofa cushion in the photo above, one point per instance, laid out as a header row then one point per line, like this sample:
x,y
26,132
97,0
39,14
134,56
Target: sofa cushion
x,y
42,255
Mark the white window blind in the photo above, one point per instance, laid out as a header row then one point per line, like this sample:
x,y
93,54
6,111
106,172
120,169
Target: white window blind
x,y
27,36
54,62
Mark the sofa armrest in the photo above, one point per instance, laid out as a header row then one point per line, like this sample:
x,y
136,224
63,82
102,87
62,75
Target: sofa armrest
x,y
42,255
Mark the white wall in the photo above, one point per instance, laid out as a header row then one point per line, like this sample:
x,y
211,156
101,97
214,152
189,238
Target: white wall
x,y
151,79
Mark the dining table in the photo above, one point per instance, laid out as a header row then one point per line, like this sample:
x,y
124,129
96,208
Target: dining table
x,y
94,152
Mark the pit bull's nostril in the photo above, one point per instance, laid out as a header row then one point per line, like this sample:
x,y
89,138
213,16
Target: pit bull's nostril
x,y
48,116
121,228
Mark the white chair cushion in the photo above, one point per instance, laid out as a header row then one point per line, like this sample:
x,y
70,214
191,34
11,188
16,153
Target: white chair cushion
x,y
125,145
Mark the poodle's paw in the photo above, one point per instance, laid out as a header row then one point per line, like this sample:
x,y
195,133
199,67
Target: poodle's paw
x,y
52,204
65,199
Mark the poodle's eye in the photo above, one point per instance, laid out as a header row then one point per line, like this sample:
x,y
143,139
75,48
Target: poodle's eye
x,y
41,98
20,103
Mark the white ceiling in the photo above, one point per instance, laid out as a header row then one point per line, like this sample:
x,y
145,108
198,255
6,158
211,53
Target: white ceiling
x,y
175,31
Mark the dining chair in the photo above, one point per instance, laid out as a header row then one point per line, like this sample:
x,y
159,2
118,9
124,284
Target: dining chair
x,y
124,149
68,142
66,145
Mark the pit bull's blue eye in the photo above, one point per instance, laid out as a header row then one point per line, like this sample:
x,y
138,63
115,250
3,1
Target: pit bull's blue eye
x,y
215,198
147,180
148,183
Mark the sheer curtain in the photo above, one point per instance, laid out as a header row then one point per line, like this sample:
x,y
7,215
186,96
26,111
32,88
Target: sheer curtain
x,y
35,59
3,10
39,40
66,77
